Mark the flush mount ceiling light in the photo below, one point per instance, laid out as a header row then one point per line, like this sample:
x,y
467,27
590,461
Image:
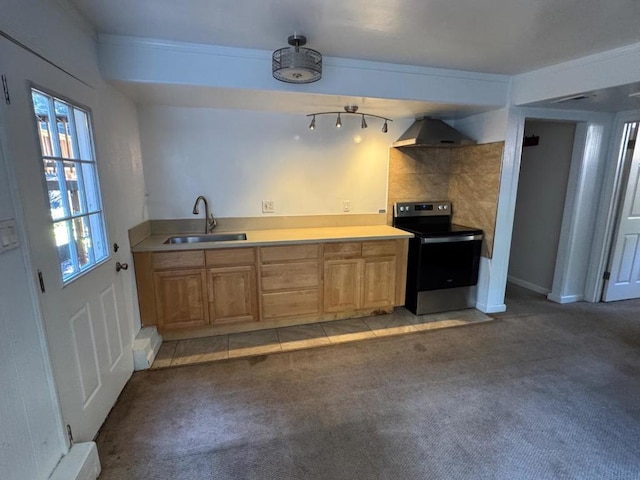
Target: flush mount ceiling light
x,y
349,110
295,64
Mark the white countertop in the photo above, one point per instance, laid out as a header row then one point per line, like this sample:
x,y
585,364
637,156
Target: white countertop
x,y
277,237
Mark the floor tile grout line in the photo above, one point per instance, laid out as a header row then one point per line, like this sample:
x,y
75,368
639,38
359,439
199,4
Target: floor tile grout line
x,y
413,328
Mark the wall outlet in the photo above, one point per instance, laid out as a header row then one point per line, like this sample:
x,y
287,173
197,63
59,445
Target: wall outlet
x,y
268,206
346,206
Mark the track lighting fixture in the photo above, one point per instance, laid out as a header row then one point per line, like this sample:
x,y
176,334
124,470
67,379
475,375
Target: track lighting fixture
x,y
349,110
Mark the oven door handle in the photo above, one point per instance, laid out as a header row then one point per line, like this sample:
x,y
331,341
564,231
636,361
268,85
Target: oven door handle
x,y
451,239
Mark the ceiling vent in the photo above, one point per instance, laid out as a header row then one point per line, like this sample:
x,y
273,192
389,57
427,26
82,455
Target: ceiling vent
x,y
296,64
572,98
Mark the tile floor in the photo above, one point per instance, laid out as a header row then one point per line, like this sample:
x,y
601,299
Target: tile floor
x,y
262,342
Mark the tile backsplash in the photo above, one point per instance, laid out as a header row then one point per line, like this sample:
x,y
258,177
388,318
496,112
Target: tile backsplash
x,y
467,176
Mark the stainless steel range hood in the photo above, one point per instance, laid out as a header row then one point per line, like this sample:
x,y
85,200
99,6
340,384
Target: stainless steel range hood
x,y
431,132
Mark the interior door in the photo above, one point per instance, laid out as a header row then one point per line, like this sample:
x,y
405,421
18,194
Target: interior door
x,y
88,330
624,266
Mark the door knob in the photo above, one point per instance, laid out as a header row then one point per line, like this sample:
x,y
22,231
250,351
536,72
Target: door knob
x,y
121,266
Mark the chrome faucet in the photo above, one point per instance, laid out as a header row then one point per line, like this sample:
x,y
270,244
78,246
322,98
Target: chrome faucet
x,y
210,221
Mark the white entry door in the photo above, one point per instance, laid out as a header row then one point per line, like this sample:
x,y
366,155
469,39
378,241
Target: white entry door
x,y
88,330
624,266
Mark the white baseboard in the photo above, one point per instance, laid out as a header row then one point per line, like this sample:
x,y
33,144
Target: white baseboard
x,y
498,308
81,463
528,285
145,348
565,298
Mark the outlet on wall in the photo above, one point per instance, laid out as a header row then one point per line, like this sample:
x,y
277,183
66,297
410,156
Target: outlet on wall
x,y
346,206
268,206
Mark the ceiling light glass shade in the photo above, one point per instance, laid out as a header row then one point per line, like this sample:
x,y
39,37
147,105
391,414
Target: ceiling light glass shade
x,y
295,64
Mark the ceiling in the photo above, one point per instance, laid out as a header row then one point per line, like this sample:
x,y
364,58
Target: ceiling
x,y
488,36
491,36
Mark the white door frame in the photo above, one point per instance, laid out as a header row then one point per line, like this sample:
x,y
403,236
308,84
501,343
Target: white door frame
x,y
608,214
574,262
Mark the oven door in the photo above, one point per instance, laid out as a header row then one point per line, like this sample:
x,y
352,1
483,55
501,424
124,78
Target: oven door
x,y
448,262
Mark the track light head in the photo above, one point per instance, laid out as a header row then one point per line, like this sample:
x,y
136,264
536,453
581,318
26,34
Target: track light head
x,y
338,122
384,127
312,125
364,123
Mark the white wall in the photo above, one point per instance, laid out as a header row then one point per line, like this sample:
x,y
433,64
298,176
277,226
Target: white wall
x,y
542,187
238,158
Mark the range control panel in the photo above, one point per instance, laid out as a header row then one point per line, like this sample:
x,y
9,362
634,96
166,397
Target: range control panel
x,y
421,209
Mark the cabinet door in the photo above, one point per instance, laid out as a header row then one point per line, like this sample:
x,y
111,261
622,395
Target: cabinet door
x,y
379,282
181,298
233,294
342,284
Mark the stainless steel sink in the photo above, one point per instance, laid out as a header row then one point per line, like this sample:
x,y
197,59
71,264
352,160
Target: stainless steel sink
x,y
222,237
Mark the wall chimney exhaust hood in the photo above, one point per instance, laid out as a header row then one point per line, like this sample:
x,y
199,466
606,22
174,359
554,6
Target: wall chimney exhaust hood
x,y
431,132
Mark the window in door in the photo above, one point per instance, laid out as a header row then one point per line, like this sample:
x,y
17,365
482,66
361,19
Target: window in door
x,y
71,179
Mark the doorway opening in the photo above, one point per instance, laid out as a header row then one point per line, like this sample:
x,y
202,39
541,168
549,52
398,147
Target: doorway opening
x,y
542,188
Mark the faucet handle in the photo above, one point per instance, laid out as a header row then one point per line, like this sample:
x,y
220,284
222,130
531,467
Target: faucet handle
x,y
211,222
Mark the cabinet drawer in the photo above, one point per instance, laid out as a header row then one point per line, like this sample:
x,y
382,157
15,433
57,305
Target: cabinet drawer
x,y
283,276
286,304
231,256
342,250
191,258
289,252
379,248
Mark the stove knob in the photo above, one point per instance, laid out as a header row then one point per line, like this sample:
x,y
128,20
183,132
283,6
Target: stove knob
x,y
439,207
445,206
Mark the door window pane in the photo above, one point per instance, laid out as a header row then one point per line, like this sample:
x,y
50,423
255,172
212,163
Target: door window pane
x,y
71,178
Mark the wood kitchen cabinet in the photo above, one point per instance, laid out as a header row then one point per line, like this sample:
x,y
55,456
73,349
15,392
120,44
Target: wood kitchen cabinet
x,y
191,293
233,291
181,298
232,294
179,289
194,289
290,280
359,275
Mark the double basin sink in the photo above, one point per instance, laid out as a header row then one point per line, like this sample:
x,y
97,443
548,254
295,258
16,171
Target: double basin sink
x,y
222,237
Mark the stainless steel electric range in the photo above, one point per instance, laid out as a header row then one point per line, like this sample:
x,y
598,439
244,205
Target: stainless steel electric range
x,y
444,258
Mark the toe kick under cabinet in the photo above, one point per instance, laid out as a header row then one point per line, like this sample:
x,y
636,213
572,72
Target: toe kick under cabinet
x,y
192,293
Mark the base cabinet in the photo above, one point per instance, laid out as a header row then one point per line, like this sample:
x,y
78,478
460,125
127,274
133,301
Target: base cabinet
x,y
342,285
224,290
364,278
232,294
181,299
378,282
290,281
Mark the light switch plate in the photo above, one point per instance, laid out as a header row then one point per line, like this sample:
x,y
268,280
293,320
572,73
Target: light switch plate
x,y
8,235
